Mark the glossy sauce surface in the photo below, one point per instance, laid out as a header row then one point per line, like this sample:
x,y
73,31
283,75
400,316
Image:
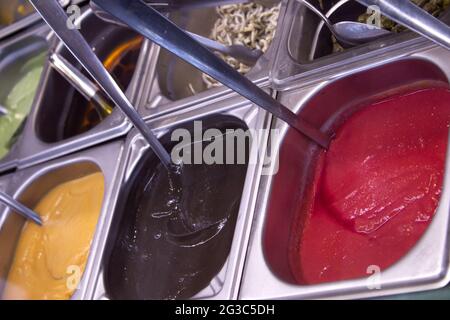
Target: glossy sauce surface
x,y
376,188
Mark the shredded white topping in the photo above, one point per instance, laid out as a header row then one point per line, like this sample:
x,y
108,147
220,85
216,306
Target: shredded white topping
x,y
250,24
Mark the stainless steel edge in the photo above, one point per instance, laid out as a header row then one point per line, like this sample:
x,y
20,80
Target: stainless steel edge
x,y
226,283
433,250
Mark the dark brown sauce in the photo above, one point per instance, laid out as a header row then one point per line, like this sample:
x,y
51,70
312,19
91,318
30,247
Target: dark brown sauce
x,y
168,247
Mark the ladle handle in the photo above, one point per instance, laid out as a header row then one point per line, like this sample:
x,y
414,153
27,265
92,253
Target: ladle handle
x,y
57,19
154,26
413,17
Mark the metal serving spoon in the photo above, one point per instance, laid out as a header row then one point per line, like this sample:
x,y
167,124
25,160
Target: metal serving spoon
x,y
154,26
349,33
414,18
3,111
56,18
240,52
19,208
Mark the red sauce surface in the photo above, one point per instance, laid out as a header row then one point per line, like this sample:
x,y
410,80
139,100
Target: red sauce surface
x,y
376,188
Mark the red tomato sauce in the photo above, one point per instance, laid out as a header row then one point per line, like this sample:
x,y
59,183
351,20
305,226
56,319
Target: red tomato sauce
x,y
376,188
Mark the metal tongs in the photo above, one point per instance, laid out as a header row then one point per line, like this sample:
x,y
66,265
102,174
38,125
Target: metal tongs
x,y
154,26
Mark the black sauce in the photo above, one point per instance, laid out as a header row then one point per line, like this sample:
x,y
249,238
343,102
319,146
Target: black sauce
x,y
161,252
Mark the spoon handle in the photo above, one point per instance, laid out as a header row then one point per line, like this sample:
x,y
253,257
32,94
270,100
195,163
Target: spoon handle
x,y
318,13
413,17
81,83
16,206
57,19
154,26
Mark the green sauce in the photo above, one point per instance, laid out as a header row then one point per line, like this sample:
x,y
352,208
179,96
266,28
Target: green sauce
x,y
18,102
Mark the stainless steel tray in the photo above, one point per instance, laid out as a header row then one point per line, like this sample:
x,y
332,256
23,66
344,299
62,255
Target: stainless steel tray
x,y
29,185
225,285
426,266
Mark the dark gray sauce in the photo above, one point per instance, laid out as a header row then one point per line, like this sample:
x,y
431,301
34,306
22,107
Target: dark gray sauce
x,y
168,243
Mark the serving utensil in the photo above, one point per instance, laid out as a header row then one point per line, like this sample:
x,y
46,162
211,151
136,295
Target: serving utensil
x,y
171,5
19,208
240,52
154,26
56,18
3,111
187,47
81,83
414,18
